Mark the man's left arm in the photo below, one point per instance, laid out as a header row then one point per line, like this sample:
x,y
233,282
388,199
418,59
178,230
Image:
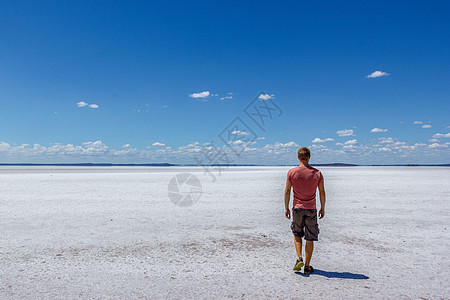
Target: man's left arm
x,y
322,200
287,198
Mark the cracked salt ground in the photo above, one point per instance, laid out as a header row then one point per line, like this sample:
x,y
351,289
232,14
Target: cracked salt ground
x,y
113,233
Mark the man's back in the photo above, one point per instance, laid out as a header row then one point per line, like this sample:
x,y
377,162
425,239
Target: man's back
x,y
304,181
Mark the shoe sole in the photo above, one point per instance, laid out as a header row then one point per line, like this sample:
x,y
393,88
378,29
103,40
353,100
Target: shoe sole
x,y
299,266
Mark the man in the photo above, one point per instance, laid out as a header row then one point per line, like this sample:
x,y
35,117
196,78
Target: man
x,y
305,180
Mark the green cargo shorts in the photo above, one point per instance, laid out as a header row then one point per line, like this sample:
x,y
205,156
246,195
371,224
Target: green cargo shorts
x,y
304,223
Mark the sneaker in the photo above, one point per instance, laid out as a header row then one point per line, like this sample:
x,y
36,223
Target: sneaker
x,y
299,264
308,270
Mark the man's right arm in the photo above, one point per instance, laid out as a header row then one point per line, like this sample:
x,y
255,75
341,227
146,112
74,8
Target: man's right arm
x,y
322,200
287,199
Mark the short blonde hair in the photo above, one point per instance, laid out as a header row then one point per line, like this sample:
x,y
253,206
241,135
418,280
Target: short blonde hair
x,y
304,153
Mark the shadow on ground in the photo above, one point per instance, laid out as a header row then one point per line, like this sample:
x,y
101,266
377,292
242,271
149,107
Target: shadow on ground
x,y
343,275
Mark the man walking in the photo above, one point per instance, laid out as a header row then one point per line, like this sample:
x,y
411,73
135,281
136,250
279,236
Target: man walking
x,y
305,180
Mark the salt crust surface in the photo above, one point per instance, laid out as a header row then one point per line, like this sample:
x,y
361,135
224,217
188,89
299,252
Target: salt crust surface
x,y
112,232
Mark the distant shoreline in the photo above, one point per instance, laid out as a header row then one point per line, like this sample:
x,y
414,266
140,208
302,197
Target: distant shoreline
x,y
230,165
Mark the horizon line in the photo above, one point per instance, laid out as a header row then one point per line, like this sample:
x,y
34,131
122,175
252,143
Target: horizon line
x,y
225,165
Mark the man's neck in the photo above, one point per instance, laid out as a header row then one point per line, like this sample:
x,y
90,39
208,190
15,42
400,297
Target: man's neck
x,y
304,164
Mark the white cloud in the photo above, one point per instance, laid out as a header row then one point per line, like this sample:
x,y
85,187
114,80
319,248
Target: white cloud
x,y
278,153
4,146
398,143
237,143
386,140
238,132
226,97
349,147
193,144
200,95
417,122
378,130
351,142
426,126
288,144
441,135
94,147
377,74
158,144
436,145
84,104
318,140
55,151
433,140
260,138
265,96
345,132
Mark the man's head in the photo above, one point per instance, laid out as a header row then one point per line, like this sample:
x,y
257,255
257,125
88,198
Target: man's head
x,y
304,154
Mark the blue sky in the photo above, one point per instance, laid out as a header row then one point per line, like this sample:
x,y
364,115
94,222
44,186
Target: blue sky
x,y
158,81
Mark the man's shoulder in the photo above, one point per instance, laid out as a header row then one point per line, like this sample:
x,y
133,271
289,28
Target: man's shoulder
x,y
293,169
314,169
300,168
304,169
316,172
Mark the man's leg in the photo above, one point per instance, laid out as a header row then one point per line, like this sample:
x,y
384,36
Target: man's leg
x,y
298,248
298,245
308,251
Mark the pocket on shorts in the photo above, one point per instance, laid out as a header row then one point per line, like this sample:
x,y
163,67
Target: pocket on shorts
x,y
312,212
295,228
